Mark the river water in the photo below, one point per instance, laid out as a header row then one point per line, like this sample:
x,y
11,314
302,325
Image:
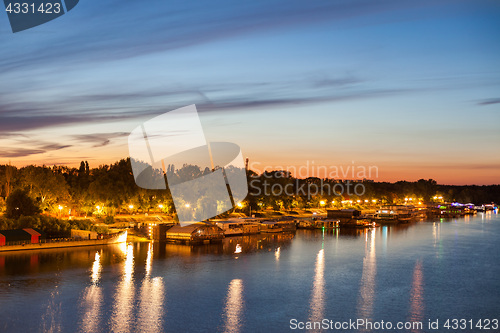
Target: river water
x,y
437,270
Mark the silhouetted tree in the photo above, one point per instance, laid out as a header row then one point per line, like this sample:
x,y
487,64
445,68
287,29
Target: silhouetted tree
x,y
20,203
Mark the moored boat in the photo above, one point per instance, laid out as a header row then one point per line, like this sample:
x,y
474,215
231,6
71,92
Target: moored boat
x,y
395,213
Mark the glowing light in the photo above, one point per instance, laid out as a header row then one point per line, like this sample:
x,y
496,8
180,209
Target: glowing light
x,y
60,207
322,203
238,248
98,207
187,205
366,201
359,201
374,200
160,206
239,204
277,253
131,206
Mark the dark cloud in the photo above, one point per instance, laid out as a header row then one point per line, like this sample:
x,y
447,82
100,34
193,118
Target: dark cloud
x,y
98,139
23,152
20,152
489,101
15,119
7,135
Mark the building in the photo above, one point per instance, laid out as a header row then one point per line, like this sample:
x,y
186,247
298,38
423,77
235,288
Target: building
x,y
20,236
83,234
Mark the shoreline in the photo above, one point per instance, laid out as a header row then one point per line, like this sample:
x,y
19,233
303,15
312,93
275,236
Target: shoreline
x,y
120,238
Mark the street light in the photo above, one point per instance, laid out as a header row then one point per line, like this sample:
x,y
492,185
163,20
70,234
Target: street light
x,y
130,206
239,204
187,205
160,206
322,202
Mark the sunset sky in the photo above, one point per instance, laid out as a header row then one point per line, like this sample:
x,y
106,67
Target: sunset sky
x,y
411,87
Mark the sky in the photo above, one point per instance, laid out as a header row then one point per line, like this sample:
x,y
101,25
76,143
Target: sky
x,y
411,88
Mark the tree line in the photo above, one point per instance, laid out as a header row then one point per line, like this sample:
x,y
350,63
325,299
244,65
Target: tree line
x,y
111,189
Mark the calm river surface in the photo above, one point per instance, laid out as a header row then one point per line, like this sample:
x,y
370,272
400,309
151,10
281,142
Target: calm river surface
x,y
426,270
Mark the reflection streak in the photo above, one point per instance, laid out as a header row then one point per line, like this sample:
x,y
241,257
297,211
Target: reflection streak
x,y
317,305
124,298
234,307
151,299
92,299
367,289
417,295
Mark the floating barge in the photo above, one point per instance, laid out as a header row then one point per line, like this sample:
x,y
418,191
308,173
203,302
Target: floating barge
x,y
395,214
238,227
360,223
318,224
195,233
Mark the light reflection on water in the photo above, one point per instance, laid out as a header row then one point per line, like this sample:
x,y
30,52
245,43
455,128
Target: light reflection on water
x,y
413,272
124,297
367,289
233,307
417,295
51,319
317,305
91,302
151,299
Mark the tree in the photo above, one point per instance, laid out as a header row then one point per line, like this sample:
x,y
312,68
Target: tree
x,y
47,187
19,203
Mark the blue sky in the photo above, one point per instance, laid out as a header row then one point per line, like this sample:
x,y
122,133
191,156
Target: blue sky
x,y
411,87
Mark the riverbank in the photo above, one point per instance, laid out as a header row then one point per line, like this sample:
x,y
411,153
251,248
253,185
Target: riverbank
x,y
119,238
